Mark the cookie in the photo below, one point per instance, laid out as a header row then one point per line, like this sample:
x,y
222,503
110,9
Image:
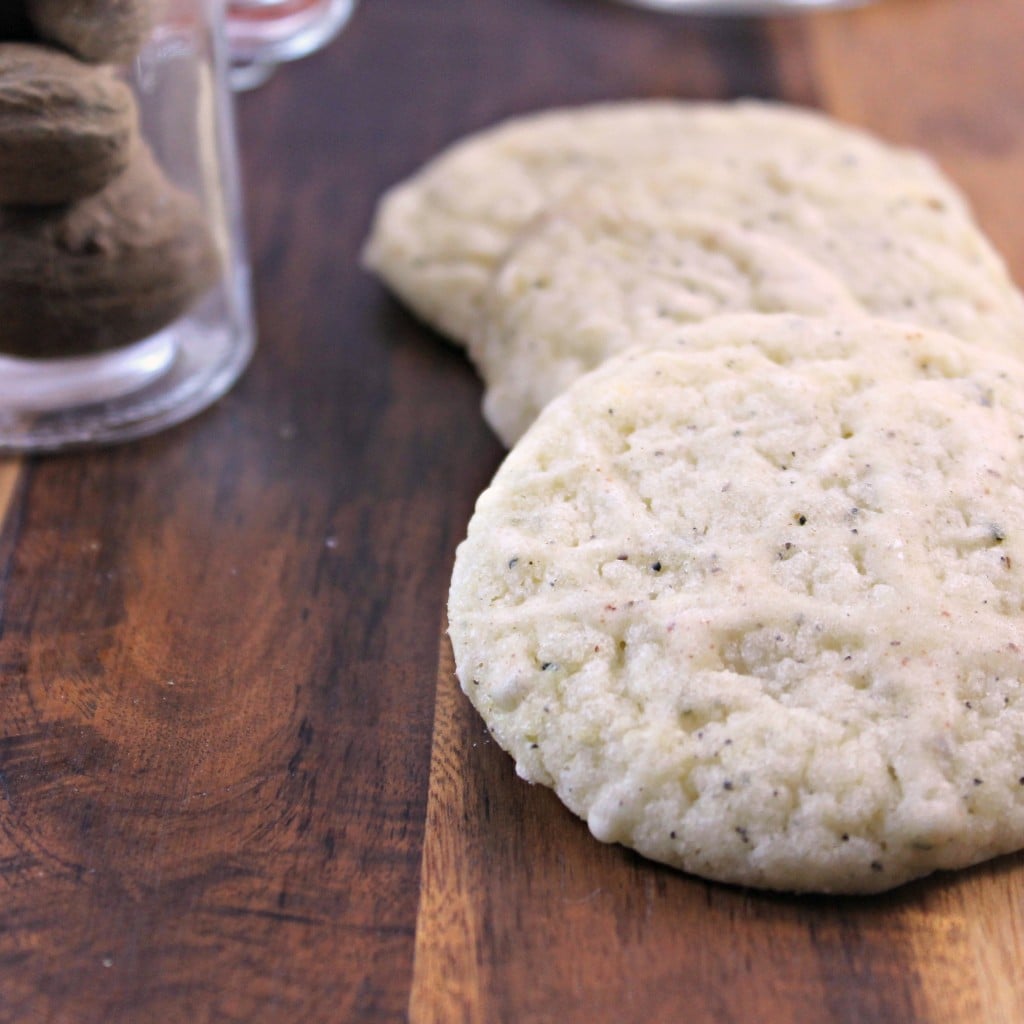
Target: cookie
x,y
590,280
628,260
755,609
437,237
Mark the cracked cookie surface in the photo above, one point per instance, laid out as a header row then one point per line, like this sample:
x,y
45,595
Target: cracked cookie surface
x,y
627,260
438,236
755,609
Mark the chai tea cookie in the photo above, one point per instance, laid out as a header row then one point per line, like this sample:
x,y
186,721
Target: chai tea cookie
x,y
627,261
438,236
759,614
591,280
904,251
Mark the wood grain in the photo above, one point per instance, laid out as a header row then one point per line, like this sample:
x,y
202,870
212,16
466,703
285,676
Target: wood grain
x,y
524,917
218,645
10,470
237,781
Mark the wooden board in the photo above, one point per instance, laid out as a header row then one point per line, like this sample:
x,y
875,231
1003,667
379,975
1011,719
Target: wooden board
x,y
10,470
237,781
524,917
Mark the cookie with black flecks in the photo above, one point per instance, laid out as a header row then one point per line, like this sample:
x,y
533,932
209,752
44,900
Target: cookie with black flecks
x,y
439,236
752,604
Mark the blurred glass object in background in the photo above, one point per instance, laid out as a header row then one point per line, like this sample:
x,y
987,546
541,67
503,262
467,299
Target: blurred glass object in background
x,y
262,34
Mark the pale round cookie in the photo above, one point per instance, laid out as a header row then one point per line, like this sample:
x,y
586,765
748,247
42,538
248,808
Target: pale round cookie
x,y
591,280
627,260
438,236
903,251
757,611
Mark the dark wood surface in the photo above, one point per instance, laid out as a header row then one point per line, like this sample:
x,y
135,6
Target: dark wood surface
x,y
237,781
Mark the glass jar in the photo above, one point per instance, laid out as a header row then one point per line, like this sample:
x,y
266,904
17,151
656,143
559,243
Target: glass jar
x,y
124,282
